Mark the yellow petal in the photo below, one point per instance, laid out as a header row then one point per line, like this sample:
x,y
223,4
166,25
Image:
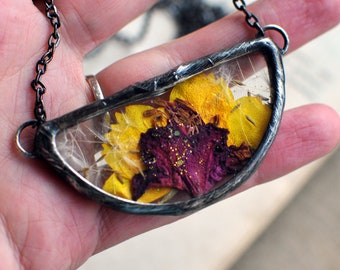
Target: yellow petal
x,y
121,152
123,139
118,187
209,97
248,121
125,164
153,194
122,188
133,117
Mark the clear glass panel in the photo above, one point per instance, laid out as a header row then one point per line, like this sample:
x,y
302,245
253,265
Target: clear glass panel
x,y
180,145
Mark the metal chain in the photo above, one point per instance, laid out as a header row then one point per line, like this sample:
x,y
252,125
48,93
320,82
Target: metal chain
x,y
251,18
41,65
254,22
36,84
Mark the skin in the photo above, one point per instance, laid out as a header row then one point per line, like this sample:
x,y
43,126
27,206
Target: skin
x,y
43,222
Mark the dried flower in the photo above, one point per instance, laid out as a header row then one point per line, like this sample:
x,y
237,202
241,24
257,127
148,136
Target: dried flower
x,y
208,95
248,121
191,142
121,151
191,157
246,118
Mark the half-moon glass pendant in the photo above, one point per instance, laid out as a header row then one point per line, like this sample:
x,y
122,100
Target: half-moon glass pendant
x,y
175,143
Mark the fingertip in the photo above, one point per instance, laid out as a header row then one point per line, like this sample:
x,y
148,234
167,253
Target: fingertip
x,y
319,123
307,133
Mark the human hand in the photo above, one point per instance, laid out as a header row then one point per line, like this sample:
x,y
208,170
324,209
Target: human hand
x,y
43,222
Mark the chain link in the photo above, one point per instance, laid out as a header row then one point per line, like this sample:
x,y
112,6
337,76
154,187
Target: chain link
x,y
251,18
254,22
41,65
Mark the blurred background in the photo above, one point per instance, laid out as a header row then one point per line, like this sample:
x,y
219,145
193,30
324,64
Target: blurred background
x,y
292,223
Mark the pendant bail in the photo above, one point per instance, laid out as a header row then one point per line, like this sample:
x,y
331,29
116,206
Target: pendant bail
x,y
18,138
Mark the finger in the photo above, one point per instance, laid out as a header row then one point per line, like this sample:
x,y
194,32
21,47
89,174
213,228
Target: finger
x,y
17,35
84,24
303,20
88,23
307,133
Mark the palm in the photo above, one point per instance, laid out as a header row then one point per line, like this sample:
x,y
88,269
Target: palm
x,y
43,218
42,221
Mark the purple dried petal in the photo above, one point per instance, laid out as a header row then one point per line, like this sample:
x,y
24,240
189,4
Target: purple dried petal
x,y
186,155
186,162
238,157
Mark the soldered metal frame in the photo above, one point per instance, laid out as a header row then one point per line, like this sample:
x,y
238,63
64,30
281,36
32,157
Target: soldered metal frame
x,y
46,147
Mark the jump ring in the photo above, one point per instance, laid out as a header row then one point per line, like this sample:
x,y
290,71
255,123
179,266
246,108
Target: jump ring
x,y
33,124
283,33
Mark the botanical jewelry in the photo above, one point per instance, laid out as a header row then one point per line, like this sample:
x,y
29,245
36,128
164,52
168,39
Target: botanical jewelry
x,y
172,144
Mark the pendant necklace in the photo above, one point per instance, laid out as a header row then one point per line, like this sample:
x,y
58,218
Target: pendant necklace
x,y
172,144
